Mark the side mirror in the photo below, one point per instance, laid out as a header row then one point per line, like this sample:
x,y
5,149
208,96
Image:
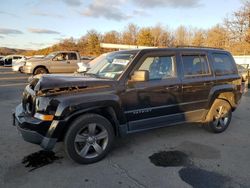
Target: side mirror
x,y
140,76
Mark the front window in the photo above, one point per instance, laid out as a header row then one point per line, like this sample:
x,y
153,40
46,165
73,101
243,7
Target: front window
x,y
50,56
159,67
60,57
112,65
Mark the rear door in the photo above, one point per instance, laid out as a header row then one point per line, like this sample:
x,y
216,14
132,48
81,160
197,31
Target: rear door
x,y
72,61
197,81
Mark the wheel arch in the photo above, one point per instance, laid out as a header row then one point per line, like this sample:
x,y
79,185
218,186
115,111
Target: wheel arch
x,y
107,111
226,93
40,66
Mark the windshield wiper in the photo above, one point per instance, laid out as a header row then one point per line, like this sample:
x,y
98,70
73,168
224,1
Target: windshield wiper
x,y
96,76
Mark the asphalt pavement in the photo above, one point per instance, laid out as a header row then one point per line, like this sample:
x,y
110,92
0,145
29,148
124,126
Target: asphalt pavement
x,y
179,156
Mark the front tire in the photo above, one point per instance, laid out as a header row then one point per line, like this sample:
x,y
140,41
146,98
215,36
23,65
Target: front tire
x,y
219,116
89,139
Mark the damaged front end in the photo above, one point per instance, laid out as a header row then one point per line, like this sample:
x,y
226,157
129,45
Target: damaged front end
x,y
35,119
39,116
35,116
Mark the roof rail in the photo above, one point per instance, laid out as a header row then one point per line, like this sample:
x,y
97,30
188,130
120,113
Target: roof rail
x,y
199,47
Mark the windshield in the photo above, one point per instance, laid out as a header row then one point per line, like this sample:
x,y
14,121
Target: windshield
x,y
50,56
112,65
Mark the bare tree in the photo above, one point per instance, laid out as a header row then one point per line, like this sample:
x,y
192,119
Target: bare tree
x,y
145,37
161,36
199,38
111,37
238,23
217,37
183,36
129,35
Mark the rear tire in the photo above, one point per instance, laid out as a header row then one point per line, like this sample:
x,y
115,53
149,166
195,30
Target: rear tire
x,y
219,116
40,70
89,139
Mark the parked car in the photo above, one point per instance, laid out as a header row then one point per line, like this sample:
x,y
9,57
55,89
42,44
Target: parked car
x,y
243,70
17,66
1,60
56,62
8,60
127,92
87,58
84,66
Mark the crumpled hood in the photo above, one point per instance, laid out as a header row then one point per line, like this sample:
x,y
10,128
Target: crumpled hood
x,y
67,81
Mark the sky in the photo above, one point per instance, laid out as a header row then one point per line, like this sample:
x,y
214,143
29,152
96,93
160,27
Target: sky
x,y
36,24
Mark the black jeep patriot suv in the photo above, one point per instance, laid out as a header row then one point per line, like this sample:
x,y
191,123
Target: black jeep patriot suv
x,y
127,92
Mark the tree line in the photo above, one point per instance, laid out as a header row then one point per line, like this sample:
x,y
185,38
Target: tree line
x,y
232,34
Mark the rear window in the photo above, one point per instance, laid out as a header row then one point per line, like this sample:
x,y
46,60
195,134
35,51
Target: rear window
x,y
195,65
72,56
223,64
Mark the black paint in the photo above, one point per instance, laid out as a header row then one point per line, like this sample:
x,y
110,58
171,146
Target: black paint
x,y
199,178
39,159
170,158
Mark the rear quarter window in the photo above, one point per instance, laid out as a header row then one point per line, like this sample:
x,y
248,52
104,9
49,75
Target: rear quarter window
x,y
223,64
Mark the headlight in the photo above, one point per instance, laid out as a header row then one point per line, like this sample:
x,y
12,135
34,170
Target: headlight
x,y
46,106
44,117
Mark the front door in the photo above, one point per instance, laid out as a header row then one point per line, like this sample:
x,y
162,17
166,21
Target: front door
x,y
59,64
154,103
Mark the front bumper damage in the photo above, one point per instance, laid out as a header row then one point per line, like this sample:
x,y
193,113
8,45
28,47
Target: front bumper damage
x,y
36,131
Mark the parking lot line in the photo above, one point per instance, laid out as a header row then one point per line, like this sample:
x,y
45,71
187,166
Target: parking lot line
x,y
14,78
16,84
7,73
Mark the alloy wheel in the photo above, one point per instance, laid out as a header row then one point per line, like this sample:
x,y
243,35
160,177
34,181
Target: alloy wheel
x,y
91,140
221,117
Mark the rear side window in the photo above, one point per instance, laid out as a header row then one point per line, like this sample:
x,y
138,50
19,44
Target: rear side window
x,y
195,65
72,56
223,64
